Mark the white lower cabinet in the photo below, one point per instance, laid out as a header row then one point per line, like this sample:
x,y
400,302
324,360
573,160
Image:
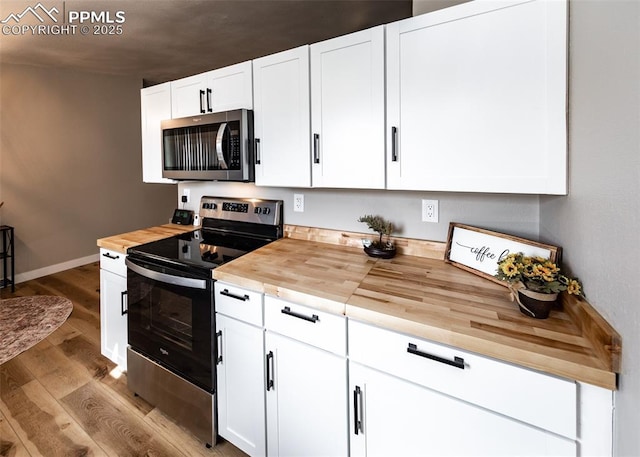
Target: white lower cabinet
x,y
113,307
286,388
306,385
240,375
397,417
412,397
240,368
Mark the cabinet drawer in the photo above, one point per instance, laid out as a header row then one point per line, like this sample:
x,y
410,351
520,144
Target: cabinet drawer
x,y
536,398
239,303
113,261
318,328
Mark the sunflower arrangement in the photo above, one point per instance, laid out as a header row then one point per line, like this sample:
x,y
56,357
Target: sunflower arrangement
x,y
536,274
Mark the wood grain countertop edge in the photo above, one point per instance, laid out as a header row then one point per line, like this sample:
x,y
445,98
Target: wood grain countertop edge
x,y
506,353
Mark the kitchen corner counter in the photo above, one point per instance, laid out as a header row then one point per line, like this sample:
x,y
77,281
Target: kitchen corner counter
x,y
120,243
431,299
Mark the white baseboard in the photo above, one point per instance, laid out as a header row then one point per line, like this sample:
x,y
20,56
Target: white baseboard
x,y
40,272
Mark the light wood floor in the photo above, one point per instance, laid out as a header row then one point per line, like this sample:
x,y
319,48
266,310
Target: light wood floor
x,y
62,398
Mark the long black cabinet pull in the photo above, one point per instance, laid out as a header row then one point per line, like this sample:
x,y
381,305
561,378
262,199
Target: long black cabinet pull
x,y
209,102
316,148
109,256
219,338
257,141
123,311
357,410
394,144
457,362
287,310
270,371
226,293
202,111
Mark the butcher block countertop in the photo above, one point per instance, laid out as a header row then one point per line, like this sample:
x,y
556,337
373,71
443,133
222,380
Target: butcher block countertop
x,y
120,243
419,294
429,298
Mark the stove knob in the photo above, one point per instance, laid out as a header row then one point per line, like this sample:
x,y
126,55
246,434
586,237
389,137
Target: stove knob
x,y
257,210
266,210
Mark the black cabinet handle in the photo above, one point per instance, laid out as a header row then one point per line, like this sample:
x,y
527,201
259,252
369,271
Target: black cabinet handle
x,y
457,362
394,144
123,311
109,256
202,111
257,141
357,410
219,338
226,293
316,148
287,310
270,382
209,100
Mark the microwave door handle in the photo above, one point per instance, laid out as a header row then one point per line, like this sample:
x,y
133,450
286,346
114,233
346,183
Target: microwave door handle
x,y
191,283
219,152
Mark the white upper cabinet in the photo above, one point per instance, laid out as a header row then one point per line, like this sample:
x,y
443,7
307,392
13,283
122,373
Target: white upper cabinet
x,y
347,111
155,103
282,119
224,89
477,99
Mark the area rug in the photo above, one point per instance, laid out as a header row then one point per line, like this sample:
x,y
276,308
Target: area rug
x,y
25,321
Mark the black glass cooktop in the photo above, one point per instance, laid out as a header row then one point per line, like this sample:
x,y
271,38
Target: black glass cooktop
x,y
201,249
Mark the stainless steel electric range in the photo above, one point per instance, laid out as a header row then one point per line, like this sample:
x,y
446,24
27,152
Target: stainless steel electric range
x,y
171,309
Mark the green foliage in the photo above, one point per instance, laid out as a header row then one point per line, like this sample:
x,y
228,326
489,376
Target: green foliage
x,y
379,225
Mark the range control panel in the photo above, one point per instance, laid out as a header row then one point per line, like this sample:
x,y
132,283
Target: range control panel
x,y
258,211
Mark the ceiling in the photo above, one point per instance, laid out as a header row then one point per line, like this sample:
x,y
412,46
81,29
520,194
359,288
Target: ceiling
x,y
162,40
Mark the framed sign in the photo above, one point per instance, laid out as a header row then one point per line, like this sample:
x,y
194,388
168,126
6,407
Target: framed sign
x,y
479,251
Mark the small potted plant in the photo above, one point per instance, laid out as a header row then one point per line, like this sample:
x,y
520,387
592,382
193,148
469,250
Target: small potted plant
x,y
535,283
381,248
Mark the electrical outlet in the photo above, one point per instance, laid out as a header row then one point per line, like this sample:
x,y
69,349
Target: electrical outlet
x,y
298,203
429,210
187,193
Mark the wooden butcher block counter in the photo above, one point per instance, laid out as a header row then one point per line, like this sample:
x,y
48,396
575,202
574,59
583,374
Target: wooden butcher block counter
x,y
429,298
124,241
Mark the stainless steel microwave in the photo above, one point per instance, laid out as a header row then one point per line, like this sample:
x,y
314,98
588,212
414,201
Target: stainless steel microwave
x,y
216,147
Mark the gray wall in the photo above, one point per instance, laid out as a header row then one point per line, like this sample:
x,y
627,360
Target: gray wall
x,y
598,223
339,209
71,163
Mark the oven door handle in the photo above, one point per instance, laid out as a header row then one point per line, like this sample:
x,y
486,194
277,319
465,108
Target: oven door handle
x,y
191,283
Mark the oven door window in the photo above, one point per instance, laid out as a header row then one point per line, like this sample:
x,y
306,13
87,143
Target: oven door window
x,y
170,320
168,314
